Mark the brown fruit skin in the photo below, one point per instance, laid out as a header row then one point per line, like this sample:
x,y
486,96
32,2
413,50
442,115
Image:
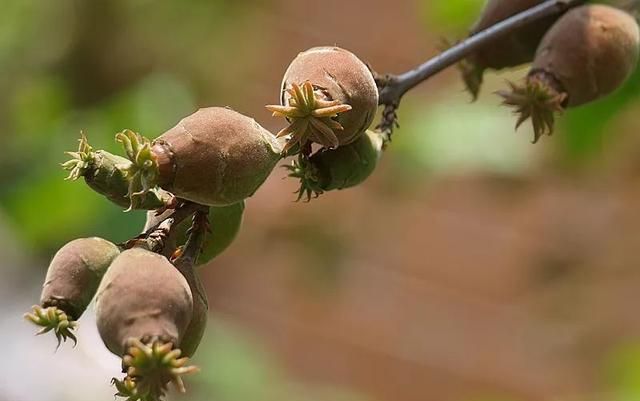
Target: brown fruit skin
x,y
591,51
75,273
514,49
341,76
142,296
215,157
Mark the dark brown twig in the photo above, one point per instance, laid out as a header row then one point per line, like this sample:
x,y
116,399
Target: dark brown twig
x,y
180,214
155,236
197,234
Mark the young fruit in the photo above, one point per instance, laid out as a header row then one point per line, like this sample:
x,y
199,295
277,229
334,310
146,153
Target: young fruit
x,y
214,157
71,282
586,55
509,51
340,168
143,308
225,225
329,97
106,174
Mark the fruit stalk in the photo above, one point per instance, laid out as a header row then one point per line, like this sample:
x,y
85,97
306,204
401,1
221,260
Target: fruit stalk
x,y
182,212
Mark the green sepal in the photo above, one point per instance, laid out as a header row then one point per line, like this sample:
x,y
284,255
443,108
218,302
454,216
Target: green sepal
x,y
150,366
308,174
81,160
142,174
344,167
127,389
53,319
311,118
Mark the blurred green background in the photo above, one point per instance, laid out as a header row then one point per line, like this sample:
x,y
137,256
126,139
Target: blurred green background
x,y
473,266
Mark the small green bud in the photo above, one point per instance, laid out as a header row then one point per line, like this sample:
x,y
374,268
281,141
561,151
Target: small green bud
x,y
114,177
344,167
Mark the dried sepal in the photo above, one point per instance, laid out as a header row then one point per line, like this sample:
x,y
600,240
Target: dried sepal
x,y
472,76
303,170
535,99
53,319
143,171
150,366
311,117
81,160
471,72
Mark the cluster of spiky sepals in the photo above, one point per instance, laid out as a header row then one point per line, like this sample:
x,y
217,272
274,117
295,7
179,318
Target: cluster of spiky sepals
x,y
143,172
310,116
150,366
303,170
53,319
81,161
535,99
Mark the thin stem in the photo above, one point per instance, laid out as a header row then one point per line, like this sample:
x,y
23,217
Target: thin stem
x,y
156,240
393,87
180,214
197,234
155,237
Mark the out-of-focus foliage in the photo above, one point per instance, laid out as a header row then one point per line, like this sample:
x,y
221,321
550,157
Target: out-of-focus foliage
x,y
622,372
73,66
453,135
584,129
451,16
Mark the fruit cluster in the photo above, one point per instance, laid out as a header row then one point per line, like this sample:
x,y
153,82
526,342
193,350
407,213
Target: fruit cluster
x,y
150,304
151,307
577,58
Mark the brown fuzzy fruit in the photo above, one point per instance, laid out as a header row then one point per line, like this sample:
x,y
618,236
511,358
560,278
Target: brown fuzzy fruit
x,y
214,157
143,309
512,50
329,96
71,282
142,296
586,55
